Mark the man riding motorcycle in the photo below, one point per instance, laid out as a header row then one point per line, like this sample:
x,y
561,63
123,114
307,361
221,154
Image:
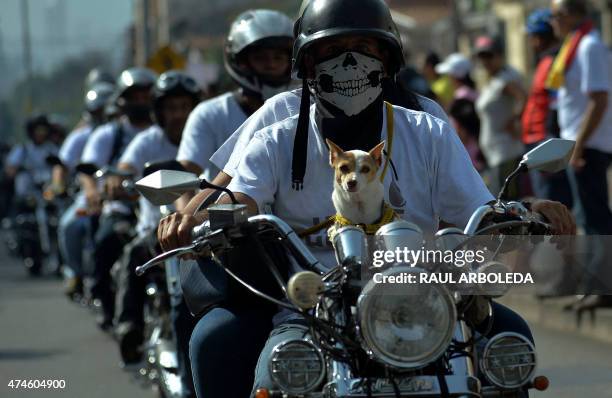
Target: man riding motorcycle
x,y
104,148
27,163
175,230
27,166
175,95
340,41
257,57
73,228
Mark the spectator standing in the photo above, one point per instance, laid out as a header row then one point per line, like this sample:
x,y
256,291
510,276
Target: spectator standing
x,y
465,120
540,115
441,85
582,74
499,107
458,68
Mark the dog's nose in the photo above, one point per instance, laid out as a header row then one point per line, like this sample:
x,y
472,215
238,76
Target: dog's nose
x,y
351,184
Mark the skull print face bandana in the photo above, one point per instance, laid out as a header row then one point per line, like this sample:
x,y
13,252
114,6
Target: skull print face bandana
x,y
350,81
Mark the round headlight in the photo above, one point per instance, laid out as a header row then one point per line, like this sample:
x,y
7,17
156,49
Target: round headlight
x,y
297,366
399,234
406,324
509,360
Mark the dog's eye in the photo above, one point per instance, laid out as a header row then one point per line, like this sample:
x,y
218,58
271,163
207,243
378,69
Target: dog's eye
x,y
344,169
365,169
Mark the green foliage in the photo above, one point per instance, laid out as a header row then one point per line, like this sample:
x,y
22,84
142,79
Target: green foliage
x,y
60,92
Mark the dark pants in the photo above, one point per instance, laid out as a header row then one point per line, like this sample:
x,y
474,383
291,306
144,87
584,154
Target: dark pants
x,y
131,287
506,320
591,191
224,348
551,186
112,234
591,198
184,323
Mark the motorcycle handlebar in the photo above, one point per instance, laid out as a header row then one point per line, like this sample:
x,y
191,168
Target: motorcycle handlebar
x,y
202,232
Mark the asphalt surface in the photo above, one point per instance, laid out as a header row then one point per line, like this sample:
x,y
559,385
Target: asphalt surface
x,y
43,336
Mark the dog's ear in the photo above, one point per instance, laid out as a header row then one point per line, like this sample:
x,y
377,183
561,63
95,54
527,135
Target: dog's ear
x,y
376,153
334,151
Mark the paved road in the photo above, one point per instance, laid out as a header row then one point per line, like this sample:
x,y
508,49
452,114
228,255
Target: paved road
x,y
577,367
43,336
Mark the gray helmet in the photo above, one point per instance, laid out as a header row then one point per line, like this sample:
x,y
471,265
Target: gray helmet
x,y
323,19
98,95
253,28
134,77
97,75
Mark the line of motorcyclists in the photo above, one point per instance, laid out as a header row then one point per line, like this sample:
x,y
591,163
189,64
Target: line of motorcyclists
x,y
140,122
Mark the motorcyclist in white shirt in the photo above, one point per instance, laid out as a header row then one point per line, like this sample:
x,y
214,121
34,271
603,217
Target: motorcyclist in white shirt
x,y
104,148
73,228
175,95
257,57
27,162
347,41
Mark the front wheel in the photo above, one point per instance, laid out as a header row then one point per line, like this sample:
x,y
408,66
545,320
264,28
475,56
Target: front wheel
x,y
33,266
32,259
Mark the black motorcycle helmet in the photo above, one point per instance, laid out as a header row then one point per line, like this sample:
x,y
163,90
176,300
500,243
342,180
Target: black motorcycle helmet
x,y
323,19
34,121
173,83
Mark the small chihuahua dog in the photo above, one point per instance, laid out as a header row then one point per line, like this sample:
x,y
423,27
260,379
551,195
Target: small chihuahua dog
x,y
358,192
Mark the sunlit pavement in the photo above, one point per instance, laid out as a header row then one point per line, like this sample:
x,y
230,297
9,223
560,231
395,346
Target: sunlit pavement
x,y
43,336
577,366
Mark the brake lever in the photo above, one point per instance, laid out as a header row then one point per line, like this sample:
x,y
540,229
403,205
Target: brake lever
x,y
195,248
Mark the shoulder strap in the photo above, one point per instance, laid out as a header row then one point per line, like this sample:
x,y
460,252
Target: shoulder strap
x,y
390,129
117,143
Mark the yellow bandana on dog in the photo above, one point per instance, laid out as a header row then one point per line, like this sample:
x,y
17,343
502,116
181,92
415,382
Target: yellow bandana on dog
x,y
370,229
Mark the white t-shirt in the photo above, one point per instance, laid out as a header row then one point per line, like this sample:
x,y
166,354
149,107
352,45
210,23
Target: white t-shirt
x,y
275,109
435,176
151,145
72,148
33,159
208,126
591,71
99,147
495,110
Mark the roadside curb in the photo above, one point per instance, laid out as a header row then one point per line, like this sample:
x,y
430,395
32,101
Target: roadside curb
x,y
549,313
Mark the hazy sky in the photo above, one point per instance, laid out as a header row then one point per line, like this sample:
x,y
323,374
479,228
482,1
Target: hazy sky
x,y
87,24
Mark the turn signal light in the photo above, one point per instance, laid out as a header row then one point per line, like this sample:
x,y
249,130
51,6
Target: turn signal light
x,y
262,393
541,383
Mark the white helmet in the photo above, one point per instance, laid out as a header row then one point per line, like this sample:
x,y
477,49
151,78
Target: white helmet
x,y
258,28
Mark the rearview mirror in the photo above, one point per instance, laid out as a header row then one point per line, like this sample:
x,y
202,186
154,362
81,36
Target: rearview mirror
x,y
551,156
165,186
152,167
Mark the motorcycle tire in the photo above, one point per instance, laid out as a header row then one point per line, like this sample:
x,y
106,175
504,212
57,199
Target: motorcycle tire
x,y
33,265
